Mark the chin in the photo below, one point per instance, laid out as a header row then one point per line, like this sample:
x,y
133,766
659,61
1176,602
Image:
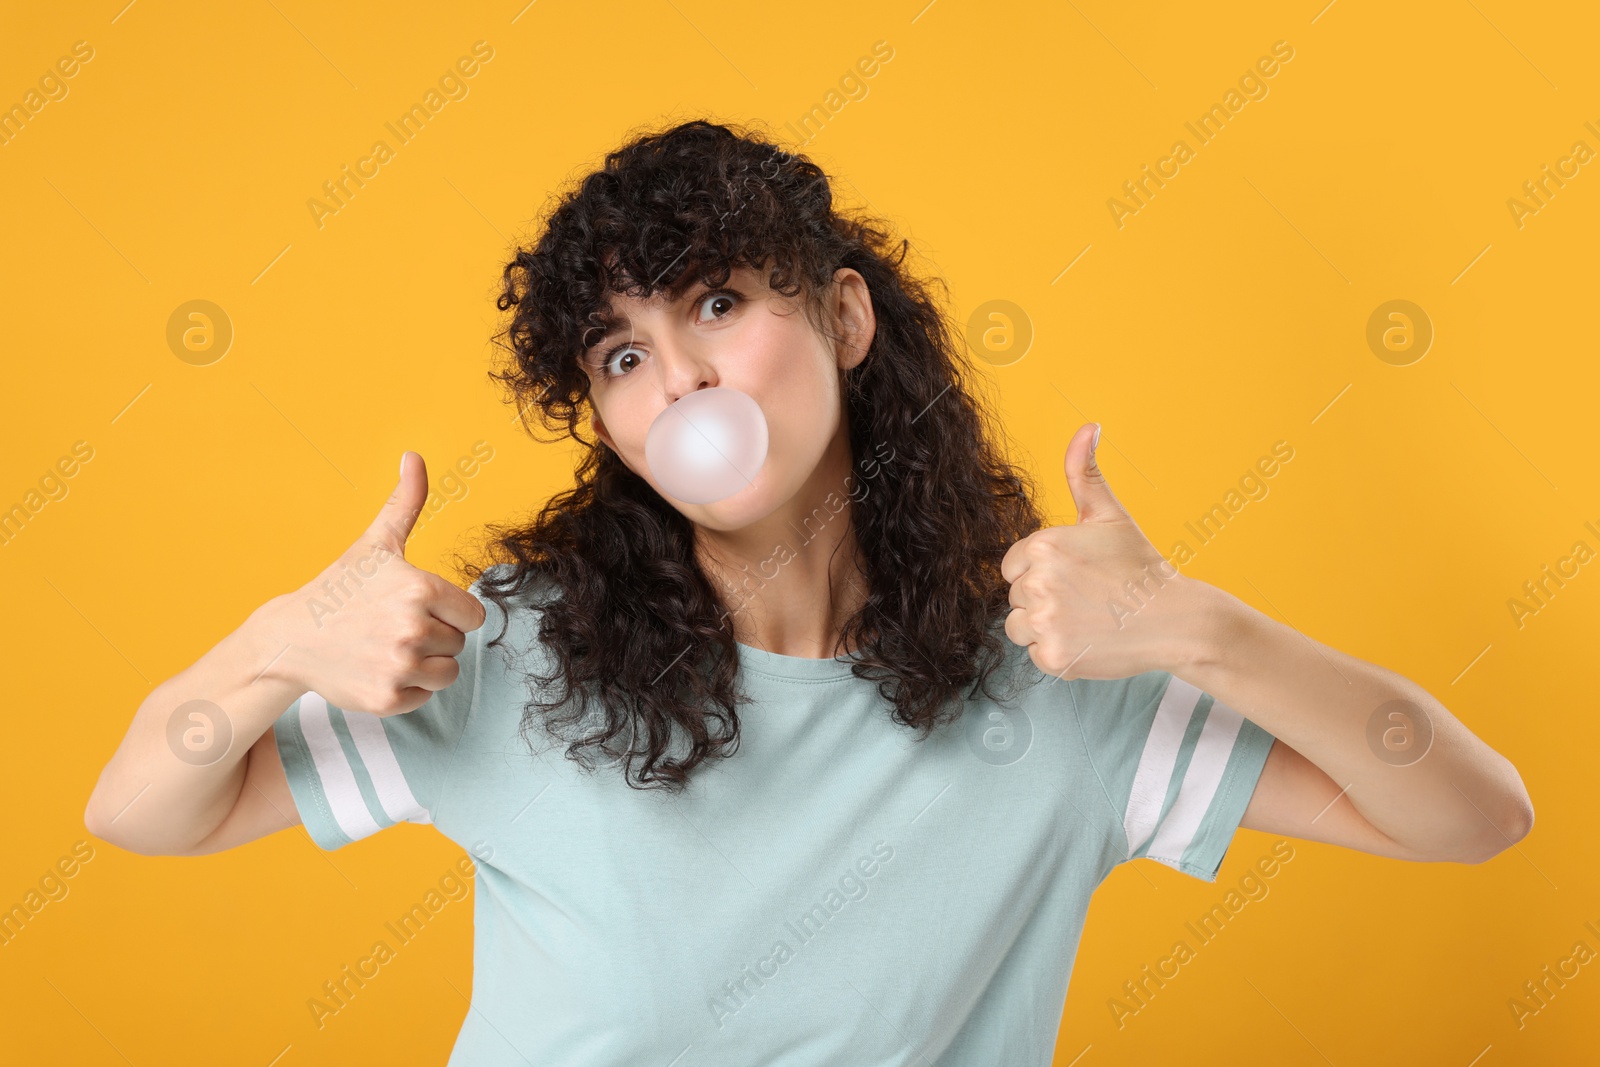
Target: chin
x,y
747,507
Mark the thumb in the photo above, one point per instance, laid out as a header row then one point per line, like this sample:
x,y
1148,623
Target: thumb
x,y
399,513
1091,494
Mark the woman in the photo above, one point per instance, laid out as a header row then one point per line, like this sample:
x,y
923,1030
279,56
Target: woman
x,y
776,778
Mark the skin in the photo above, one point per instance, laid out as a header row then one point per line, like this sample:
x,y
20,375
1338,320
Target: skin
x,y
1070,592
385,650
1462,802
762,344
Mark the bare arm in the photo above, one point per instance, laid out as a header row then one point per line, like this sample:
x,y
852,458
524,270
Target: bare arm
x,y
265,804
198,770
1098,600
162,794
1452,799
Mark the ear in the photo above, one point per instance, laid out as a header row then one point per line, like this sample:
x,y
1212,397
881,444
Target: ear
x,y
599,427
852,309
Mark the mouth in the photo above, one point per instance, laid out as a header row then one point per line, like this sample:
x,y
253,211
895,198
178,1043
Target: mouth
x,y
708,445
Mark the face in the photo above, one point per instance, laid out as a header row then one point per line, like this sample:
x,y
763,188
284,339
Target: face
x,y
747,337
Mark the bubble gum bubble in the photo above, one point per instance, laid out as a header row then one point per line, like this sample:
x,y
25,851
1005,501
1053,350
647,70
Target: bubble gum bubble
x,y
707,446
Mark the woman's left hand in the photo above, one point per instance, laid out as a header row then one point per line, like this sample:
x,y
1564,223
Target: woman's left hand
x,y
1096,599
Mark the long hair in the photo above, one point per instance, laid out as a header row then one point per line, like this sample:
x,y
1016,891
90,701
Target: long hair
x,y
644,666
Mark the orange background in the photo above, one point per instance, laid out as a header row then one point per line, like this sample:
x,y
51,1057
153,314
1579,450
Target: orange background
x,y
1228,313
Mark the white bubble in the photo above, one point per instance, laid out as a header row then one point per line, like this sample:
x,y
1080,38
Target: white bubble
x,y
707,446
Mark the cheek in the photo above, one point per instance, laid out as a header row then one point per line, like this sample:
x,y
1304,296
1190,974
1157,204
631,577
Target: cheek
x,y
803,411
626,426
792,372
623,412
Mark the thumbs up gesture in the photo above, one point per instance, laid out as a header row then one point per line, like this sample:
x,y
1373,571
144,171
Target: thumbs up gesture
x,y
371,632
1096,599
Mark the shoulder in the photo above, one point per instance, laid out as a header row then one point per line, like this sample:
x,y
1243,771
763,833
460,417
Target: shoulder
x,y
513,600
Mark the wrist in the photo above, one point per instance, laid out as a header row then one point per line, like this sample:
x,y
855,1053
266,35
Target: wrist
x,y
1212,627
271,641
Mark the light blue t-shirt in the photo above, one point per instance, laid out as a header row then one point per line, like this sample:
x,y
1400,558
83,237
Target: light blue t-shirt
x,y
835,892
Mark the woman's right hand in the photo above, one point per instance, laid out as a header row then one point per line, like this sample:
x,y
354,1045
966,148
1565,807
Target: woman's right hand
x,y
373,633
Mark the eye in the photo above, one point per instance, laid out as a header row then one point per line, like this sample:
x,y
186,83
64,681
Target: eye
x,y
613,353
727,298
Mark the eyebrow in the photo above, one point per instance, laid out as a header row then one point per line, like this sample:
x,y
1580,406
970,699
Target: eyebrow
x,y
611,324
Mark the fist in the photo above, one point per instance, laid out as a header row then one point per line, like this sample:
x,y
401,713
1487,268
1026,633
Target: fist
x,y
371,632
1096,599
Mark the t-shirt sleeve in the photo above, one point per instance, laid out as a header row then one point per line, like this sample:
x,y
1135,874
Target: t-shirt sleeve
x,y
1177,767
353,773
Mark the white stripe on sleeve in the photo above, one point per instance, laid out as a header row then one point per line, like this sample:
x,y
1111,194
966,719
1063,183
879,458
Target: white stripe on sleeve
x,y
338,779
1157,761
377,754
1200,782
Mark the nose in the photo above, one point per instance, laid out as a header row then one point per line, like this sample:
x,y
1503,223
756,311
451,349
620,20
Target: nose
x,y
684,369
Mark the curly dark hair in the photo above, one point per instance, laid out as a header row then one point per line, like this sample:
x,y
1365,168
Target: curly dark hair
x,y
626,597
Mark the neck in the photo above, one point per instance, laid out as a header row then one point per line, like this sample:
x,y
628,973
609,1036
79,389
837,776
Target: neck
x,y
789,582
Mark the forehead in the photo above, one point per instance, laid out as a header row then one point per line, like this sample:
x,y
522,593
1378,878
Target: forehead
x,y
621,307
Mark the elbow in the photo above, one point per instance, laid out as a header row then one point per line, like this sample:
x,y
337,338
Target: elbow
x,y
1509,828
98,822
101,827
139,848
1511,821
95,822
1524,818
